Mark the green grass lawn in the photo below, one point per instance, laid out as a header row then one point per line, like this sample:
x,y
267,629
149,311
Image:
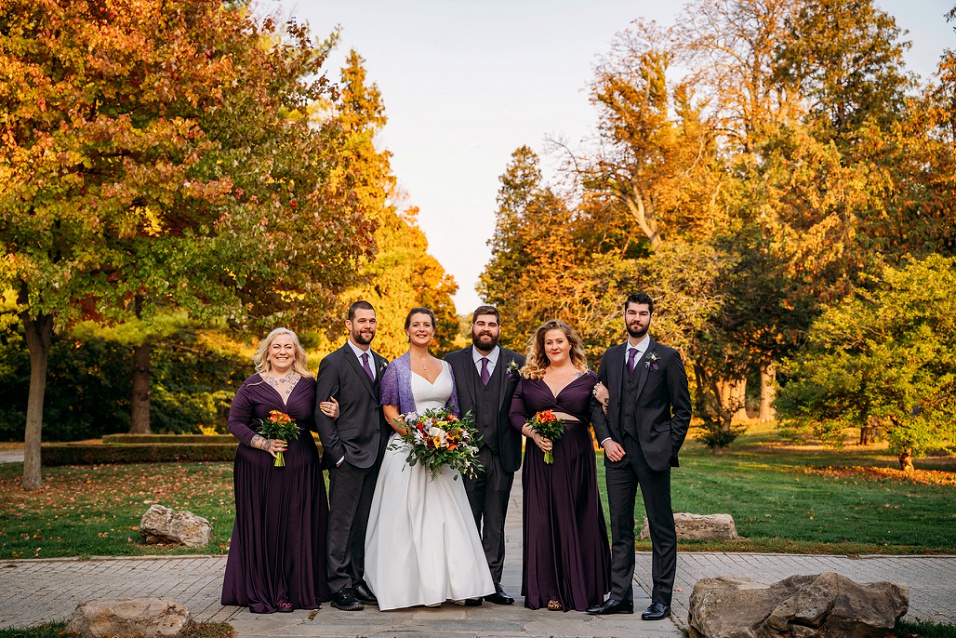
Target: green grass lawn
x,y
789,499
95,510
812,500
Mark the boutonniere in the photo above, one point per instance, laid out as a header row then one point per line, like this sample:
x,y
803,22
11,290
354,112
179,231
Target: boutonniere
x,y
384,365
513,369
651,361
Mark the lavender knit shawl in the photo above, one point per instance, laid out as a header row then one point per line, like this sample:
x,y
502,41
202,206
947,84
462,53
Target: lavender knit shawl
x,y
397,386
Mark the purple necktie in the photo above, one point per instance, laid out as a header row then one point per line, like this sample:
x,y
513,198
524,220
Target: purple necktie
x,y
630,360
484,371
371,375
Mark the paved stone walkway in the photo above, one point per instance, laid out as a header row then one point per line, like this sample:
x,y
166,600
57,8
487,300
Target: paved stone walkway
x,y
37,591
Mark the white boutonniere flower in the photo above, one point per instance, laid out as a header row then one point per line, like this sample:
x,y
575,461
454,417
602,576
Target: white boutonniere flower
x,y
513,368
651,361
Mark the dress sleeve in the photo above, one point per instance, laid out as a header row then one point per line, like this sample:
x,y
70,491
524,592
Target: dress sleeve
x,y
241,414
389,388
518,414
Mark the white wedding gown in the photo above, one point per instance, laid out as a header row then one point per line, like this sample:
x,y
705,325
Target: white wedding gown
x,y
422,546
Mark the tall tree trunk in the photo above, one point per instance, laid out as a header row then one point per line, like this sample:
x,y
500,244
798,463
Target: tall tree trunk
x,y
733,398
738,397
768,392
38,331
139,417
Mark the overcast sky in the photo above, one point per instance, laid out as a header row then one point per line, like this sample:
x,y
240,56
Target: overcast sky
x,y
466,82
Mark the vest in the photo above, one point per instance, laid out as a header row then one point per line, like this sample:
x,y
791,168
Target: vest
x,y
629,383
486,406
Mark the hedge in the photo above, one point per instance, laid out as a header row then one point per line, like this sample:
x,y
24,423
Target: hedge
x,y
96,454
150,439
146,448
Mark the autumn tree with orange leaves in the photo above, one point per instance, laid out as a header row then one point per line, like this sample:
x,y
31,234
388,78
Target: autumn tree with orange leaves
x,y
160,154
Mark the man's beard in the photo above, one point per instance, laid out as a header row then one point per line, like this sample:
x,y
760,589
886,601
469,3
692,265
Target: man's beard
x,y
637,334
489,343
361,339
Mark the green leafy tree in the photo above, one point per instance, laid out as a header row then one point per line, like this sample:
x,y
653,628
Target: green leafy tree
x,y
845,58
885,357
163,154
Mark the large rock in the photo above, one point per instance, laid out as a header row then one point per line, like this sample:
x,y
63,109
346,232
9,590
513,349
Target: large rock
x,y
826,605
700,527
132,617
164,525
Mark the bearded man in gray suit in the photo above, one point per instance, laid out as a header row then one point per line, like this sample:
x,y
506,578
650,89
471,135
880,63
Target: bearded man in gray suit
x,y
641,417
354,445
487,375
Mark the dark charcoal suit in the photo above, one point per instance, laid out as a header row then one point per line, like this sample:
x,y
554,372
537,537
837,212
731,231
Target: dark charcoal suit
x,y
648,414
359,435
499,451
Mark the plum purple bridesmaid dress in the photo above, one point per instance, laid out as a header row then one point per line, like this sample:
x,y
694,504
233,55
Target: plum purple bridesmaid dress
x,y
566,553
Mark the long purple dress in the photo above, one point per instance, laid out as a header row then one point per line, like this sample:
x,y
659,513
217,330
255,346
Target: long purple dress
x,y
278,548
566,552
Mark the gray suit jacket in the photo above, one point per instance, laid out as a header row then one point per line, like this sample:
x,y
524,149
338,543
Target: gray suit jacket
x,y
463,365
360,433
663,407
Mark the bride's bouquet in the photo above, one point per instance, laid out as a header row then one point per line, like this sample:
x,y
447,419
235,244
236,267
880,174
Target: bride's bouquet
x,y
279,425
437,438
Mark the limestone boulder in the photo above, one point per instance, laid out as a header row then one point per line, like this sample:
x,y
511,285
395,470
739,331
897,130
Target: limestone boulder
x,y
131,617
825,605
164,525
700,527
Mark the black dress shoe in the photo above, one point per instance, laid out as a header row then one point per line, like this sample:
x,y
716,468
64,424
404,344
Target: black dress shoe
x,y
611,606
364,594
500,597
472,602
656,611
346,601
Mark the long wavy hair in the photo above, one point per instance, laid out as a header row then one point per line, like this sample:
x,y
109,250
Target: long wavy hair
x,y
538,361
261,359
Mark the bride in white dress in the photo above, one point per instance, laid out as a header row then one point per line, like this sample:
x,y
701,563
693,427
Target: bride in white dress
x,y
422,546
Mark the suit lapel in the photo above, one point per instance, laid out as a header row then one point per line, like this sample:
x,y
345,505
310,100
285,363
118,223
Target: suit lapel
x,y
469,374
505,357
359,370
615,369
643,367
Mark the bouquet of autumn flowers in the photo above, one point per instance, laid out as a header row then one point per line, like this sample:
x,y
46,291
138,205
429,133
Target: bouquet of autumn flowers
x,y
279,425
548,426
437,437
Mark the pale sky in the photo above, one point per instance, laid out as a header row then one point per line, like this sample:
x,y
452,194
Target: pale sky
x,y
466,82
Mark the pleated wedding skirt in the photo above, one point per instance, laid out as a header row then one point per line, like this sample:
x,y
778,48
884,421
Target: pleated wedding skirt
x,y
422,546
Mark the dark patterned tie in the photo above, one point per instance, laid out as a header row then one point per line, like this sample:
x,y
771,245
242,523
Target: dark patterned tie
x,y
371,375
631,364
484,371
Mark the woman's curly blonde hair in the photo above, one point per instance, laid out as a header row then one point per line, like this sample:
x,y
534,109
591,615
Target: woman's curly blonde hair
x,y
537,361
